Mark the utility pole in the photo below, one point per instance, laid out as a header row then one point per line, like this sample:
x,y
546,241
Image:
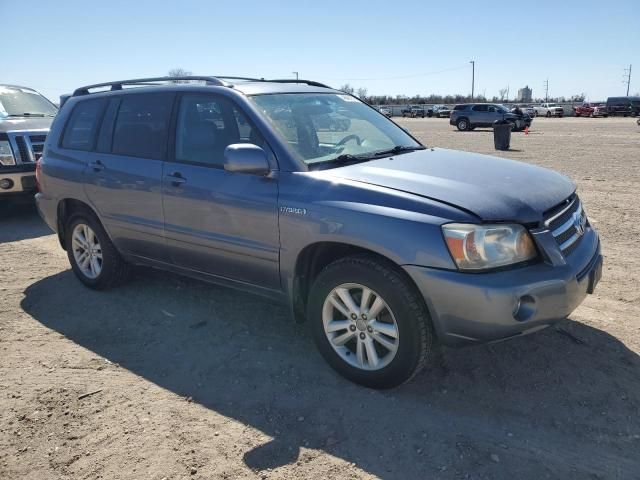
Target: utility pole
x,y
296,74
473,77
546,90
507,93
627,73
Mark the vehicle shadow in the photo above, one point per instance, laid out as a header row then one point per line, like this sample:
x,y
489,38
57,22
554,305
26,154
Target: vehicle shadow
x,y
562,403
20,221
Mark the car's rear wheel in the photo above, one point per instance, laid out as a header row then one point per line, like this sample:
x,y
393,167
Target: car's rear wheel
x,y
369,322
463,124
93,257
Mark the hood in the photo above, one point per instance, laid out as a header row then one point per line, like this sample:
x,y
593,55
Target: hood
x,y
25,123
492,188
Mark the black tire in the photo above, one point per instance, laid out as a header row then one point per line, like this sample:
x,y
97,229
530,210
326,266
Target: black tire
x,y
548,114
416,338
115,270
463,124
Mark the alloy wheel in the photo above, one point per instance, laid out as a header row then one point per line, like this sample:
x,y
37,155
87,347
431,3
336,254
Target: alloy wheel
x,y
87,251
360,326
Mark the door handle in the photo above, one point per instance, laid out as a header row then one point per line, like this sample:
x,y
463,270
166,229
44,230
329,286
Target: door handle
x,y
176,179
97,166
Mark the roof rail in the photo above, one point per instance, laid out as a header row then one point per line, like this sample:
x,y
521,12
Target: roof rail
x,y
146,81
209,80
311,83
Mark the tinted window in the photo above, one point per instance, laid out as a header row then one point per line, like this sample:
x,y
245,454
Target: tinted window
x,y
83,124
142,125
206,125
480,108
459,107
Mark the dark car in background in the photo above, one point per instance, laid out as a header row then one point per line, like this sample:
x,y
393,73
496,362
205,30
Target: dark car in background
x,y
414,111
473,115
624,106
25,118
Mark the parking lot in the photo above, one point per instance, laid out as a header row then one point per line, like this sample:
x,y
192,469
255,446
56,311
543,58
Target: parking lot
x,y
169,378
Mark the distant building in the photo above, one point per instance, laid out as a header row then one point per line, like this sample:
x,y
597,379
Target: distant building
x,y
525,94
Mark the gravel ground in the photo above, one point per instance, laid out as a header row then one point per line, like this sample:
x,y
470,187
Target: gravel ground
x,y
169,378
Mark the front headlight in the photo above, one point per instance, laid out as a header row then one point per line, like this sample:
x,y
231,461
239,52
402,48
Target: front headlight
x,y
481,247
6,154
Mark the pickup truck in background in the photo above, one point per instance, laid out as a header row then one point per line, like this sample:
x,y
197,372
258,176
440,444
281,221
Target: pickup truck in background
x,y
549,110
413,111
590,110
25,119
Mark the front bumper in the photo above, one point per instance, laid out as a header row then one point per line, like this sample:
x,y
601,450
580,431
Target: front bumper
x,y
20,180
469,308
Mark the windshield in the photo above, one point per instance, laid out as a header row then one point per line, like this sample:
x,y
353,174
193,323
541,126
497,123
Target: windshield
x,y
19,102
325,127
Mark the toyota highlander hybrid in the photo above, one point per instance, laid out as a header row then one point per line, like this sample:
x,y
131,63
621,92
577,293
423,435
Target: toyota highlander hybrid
x,y
303,193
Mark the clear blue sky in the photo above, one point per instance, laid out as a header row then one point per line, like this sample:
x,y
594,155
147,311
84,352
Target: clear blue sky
x,y
389,47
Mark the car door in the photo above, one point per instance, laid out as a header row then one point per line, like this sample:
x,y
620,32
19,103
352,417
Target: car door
x,y
124,172
493,114
480,117
218,222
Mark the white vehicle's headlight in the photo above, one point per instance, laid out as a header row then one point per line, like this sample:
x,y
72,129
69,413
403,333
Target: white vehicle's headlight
x,y
481,247
6,155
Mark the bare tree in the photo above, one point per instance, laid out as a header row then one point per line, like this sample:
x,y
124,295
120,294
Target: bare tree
x,y
179,72
361,93
346,88
503,92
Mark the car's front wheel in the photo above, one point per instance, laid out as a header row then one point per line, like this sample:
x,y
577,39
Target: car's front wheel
x,y
369,322
94,259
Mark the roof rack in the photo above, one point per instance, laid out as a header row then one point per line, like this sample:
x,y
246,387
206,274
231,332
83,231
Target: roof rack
x,y
146,81
311,83
209,80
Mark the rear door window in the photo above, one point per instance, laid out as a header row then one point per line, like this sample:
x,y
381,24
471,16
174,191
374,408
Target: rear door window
x,y
83,124
480,108
142,125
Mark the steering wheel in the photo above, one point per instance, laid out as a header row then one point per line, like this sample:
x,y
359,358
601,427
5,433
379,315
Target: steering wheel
x,y
349,137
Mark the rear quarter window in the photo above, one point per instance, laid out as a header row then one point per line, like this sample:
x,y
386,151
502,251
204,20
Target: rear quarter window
x,y
80,132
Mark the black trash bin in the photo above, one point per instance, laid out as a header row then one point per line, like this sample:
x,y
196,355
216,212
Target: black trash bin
x,y
501,134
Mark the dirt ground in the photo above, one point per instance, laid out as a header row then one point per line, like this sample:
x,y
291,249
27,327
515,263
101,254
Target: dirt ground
x,y
193,381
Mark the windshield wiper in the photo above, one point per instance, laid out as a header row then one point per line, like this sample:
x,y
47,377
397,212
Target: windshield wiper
x,y
30,114
396,149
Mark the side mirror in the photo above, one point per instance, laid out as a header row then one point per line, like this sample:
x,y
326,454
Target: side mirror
x,y
246,158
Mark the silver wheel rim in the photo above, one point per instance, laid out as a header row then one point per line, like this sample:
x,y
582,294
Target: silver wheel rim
x,y
87,251
463,125
360,326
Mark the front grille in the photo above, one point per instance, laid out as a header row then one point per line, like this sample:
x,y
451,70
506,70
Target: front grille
x,y
28,147
23,150
567,223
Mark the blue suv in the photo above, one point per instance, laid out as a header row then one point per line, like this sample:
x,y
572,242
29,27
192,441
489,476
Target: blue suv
x,y
305,194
